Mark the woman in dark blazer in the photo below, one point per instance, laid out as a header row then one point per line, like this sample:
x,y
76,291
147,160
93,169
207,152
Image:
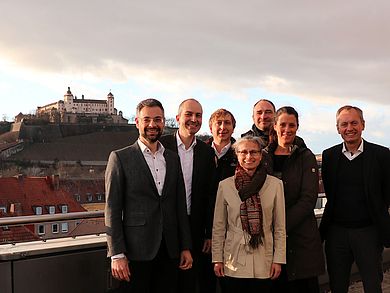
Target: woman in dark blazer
x,y
289,159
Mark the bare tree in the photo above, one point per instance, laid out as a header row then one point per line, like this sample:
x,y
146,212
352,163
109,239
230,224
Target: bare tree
x,y
171,122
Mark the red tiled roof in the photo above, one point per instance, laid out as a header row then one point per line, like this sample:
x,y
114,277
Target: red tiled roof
x,y
17,234
89,226
34,191
83,188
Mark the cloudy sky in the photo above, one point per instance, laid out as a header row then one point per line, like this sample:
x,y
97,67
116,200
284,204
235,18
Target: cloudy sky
x,y
313,55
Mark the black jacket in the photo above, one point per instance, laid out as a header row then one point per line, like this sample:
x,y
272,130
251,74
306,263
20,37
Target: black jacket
x,y
226,165
300,180
203,191
376,168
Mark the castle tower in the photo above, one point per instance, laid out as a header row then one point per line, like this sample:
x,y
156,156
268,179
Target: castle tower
x,y
68,101
110,103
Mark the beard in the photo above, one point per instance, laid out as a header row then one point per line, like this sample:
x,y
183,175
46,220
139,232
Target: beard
x,y
152,137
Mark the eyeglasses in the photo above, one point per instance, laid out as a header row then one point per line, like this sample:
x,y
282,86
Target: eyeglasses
x,y
252,153
157,120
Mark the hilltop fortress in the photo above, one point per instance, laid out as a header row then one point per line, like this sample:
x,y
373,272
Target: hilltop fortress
x,y
74,110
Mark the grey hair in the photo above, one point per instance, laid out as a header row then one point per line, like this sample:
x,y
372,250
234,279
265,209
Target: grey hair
x,y
248,138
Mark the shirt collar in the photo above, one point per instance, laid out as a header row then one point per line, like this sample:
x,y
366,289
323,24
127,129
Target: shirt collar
x,y
145,149
359,150
180,143
223,150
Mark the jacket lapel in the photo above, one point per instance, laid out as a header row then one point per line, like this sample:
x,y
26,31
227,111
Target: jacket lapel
x,y
195,166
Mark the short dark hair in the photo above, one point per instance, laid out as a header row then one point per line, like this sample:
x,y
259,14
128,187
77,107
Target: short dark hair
x,y
287,110
219,113
148,103
348,108
265,100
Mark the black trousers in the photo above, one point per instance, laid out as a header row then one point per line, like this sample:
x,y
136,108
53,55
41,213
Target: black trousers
x,y
283,285
344,246
200,278
247,285
155,276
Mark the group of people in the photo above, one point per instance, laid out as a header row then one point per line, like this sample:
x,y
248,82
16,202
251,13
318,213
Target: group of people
x,y
183,215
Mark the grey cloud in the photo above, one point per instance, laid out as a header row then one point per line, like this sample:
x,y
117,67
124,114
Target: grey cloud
x,y
321,48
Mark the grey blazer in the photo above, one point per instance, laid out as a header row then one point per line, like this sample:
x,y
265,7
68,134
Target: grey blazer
x,y
137,218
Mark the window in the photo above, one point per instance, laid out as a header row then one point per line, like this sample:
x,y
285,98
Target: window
x,y
38,210
54,228
52,209
64,227
64,208
99,196
77,197
41,229
89,197
3,209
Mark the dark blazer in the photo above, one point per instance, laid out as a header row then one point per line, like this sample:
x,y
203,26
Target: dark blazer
x,y
136,216
203,189
305,257
376,172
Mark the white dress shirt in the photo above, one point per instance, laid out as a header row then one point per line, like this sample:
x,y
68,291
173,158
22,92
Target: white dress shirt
x,y
156,163
186,161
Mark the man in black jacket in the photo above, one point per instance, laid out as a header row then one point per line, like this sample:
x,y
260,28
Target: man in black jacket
x,y
198,166
263,120
356,221
222,124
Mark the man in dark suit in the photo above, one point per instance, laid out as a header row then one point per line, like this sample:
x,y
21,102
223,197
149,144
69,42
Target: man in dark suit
x,y
198,166
356,222
148,233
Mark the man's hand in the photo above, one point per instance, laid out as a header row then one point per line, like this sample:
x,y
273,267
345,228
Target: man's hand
x,y
185,260
120,269
275,270
206,246
218,269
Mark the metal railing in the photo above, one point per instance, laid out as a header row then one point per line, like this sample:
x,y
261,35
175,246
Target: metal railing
x,y
23,220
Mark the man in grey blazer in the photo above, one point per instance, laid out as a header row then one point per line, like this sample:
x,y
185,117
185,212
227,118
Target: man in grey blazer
x,y
148,233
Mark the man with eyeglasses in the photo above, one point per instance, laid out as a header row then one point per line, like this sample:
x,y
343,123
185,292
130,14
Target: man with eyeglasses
x,y
198,166
263,120
148,233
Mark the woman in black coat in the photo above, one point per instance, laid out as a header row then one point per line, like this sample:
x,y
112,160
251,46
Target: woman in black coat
x,y
289,159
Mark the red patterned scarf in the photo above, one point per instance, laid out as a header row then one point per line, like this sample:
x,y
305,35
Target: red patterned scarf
x,y
251,213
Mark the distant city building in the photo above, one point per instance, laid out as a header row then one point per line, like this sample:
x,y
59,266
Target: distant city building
x,y
74,110
26,196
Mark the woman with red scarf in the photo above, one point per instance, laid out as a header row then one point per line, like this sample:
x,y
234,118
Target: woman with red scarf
x,y
249,238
